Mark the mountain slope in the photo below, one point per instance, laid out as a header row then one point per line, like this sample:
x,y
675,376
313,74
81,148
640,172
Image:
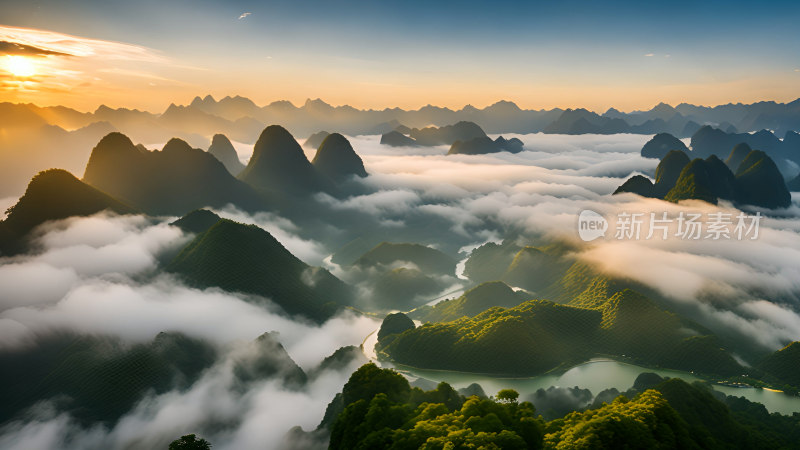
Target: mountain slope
x,y
315,140
52,195
531,338
245,258
279,165
222,149
661,144
738,154
425,258
537,336
637,184
98,379
396,139
784,365
490,261
535,268
404,288
668,171
336,159
760,183
197,221
474,301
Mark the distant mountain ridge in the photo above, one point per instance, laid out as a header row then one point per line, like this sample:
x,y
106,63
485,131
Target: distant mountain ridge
x,y
241,119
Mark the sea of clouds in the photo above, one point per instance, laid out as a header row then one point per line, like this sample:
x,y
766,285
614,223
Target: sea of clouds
x,y
99,275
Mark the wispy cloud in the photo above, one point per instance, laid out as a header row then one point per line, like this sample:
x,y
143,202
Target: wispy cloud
x,y
81,67
54,43
649,54
244,15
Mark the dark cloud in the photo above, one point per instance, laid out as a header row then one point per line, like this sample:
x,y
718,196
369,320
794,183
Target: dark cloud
x,y
15,48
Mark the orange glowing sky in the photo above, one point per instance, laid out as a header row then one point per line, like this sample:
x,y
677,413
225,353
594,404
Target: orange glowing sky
x,y
96,58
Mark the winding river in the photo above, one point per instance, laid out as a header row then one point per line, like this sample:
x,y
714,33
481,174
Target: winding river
x,y
595,375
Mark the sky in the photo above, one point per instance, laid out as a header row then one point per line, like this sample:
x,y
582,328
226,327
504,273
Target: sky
x,y
368,54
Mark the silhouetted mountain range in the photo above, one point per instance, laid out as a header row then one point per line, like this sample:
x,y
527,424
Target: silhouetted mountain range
x,y
278,164
661,119
171,181
242,119
39,128
582,121
180,178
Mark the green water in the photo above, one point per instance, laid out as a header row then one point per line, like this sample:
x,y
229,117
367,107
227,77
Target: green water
x,y
597,375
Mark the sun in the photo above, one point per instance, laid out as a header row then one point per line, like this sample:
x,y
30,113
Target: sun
x,y
19,66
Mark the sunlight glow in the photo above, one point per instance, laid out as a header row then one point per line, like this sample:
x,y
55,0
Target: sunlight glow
x,y
19,66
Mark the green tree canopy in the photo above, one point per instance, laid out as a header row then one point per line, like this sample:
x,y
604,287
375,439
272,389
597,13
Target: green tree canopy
x,y
190,442
508,396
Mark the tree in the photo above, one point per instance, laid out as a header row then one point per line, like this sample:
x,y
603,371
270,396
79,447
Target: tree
x,y
190,442
370,380
508,396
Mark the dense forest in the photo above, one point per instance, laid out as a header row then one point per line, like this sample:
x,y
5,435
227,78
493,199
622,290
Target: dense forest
x,y
379,409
